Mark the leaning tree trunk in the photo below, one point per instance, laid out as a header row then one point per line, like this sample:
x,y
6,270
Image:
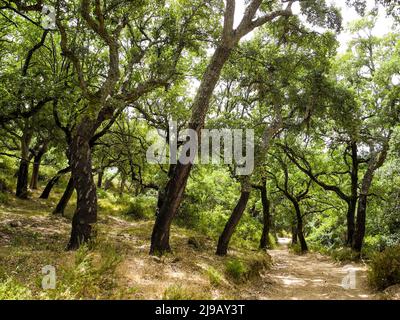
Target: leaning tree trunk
x,y
374,163
266,204
226,235
62,204
81,164
23,171
177,183
36,166
52,182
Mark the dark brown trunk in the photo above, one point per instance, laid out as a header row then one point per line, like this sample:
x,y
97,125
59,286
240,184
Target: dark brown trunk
x,y
62,204
264,241
351,210
352,204
374,163
23,171
35,171
300,231
177,183
174,193
360,226
81,164
223,241
100,175
22,182
52,182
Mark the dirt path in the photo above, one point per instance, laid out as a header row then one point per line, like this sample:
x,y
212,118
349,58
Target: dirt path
x,y
313,276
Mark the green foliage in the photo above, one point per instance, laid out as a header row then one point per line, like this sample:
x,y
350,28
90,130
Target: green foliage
x,y
242,270
214,276
91,275
296,249
10,289
385,268
236,269
345,255
141,208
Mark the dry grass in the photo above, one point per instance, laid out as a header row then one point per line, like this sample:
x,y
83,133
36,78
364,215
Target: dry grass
x,y
30,238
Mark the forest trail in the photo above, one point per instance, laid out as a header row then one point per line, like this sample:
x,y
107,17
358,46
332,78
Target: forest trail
x,y
313,276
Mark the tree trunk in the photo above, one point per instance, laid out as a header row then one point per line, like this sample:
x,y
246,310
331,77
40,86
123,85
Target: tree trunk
x,y
360,226
52,182
177,183
299,229
36,166
100,175
81,164
352,204
376,161
23,171
62,204
294,234
223,241
266,204
350,217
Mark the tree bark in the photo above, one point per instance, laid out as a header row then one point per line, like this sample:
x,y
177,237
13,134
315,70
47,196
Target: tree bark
x,y
52,182
350,217
62,204
226,235
23,171
266,204
100,175
81,164
376,161
177,183
36,166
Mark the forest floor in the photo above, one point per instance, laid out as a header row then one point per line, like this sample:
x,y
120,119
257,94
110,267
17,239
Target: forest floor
x,y
120,267
314,276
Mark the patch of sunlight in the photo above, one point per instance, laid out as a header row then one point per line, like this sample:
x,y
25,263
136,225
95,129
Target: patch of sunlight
x,y
292,281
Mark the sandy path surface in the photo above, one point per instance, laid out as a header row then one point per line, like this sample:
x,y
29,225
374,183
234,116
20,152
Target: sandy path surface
x,y
313,276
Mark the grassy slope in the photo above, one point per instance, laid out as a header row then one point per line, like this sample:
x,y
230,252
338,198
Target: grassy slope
x,y
119,265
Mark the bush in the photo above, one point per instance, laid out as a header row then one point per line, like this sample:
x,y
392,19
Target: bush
x,y
10,289
385,268
345,255
214,276
296,249
142,208
236,269
241,271
3,198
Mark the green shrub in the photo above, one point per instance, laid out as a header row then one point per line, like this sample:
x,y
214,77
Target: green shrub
x,y
214,276
296,248
345,255
385,268
142,208
3,198
10,289
241,271
236,269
